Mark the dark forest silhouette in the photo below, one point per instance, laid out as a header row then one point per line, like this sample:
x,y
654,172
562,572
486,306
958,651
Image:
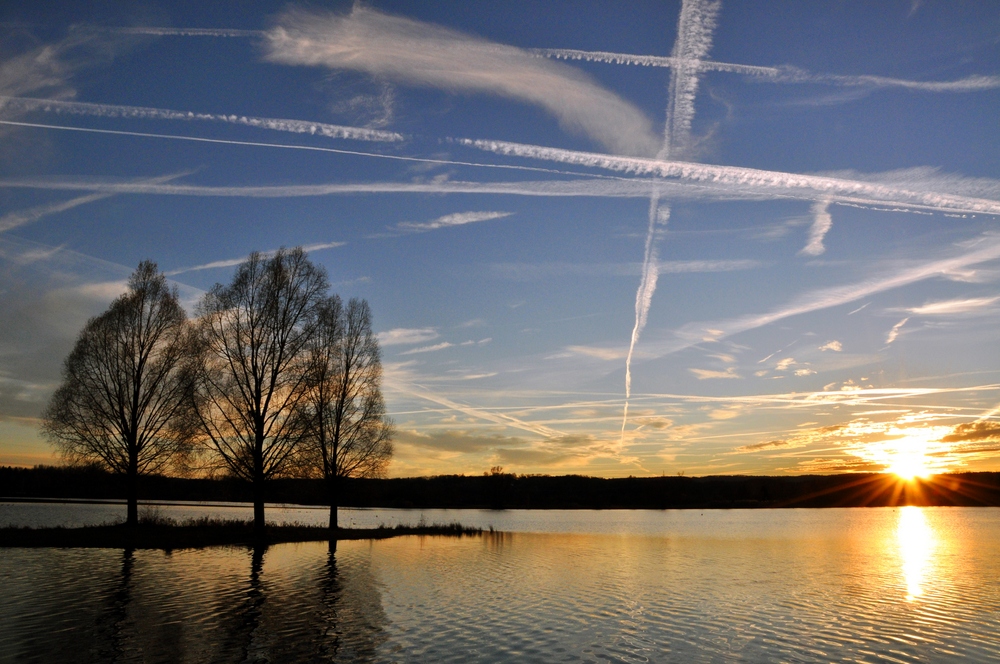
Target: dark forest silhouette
x,y
508,491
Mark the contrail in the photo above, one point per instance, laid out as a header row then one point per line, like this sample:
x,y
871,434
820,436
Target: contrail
x,y
230,262
189,32
694,39
654,61
822,221
311,148
33,214
740,177
644,294
496,418
779,74
274,124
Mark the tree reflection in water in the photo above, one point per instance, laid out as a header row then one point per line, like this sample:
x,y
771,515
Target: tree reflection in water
x,y
299,603
111,628
330,613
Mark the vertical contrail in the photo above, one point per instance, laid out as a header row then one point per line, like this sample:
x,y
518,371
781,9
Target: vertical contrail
x,y
694,39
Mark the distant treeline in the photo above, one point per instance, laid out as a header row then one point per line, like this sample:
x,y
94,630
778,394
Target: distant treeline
x,y
508,491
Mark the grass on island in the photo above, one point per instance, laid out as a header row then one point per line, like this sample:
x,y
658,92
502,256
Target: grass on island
x,y
169,534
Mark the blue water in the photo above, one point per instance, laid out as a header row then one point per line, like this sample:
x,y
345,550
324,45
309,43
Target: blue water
x,y
899,585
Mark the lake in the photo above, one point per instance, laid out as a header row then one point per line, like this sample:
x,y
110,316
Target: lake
x,y
879,584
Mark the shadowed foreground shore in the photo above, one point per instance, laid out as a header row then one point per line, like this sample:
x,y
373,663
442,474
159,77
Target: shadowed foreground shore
x,y
204,533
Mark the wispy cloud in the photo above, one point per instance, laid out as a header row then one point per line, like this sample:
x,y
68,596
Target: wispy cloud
x,y
406,335
835,346
705,374
894,332
418,53
230,262
822,221
429,349
142,113
694,333
953,307
33,214
448,220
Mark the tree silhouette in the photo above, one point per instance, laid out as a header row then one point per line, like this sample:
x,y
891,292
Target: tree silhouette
x,y
121,402
349,432
252,366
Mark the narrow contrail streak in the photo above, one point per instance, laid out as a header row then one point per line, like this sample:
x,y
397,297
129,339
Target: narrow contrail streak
x,y
654,61
285,146
189,32
496,418
274,124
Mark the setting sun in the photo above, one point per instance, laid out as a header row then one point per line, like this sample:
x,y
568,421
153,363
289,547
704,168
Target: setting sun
x,y
908,458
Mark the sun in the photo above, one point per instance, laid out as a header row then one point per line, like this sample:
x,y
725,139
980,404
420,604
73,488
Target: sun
x,y
908,458
908,467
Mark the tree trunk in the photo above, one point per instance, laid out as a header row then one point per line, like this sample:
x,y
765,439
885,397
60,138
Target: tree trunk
x,y
258,505
333,493
132,495
258,484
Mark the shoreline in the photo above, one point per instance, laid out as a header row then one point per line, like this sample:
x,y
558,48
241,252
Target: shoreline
x,y
172,537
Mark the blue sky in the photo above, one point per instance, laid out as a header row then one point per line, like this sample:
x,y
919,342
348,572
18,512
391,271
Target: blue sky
x,y
660,237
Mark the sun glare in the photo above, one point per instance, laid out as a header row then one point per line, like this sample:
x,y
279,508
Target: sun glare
x,y
907,457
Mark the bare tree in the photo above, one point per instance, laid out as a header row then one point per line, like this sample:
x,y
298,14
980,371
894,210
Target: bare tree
x,y
121,401
252,365
349,432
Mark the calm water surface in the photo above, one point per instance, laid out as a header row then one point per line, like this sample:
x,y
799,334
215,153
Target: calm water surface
x,y
896,585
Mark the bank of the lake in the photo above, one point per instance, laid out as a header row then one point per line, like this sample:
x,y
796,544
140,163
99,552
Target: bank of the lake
x,y
207,532
509,491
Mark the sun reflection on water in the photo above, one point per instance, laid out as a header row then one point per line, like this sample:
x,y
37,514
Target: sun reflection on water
x,y
916,548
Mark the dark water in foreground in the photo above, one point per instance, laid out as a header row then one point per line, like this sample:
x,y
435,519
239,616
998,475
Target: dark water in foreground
x,y
895,585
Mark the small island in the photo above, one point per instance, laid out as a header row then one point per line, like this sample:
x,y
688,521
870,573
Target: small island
x,y
169,535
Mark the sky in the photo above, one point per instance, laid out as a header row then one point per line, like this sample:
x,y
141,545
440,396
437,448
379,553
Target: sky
x,y
650,238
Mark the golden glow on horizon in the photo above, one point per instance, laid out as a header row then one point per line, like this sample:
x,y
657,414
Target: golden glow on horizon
x,y
910,452
916,546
